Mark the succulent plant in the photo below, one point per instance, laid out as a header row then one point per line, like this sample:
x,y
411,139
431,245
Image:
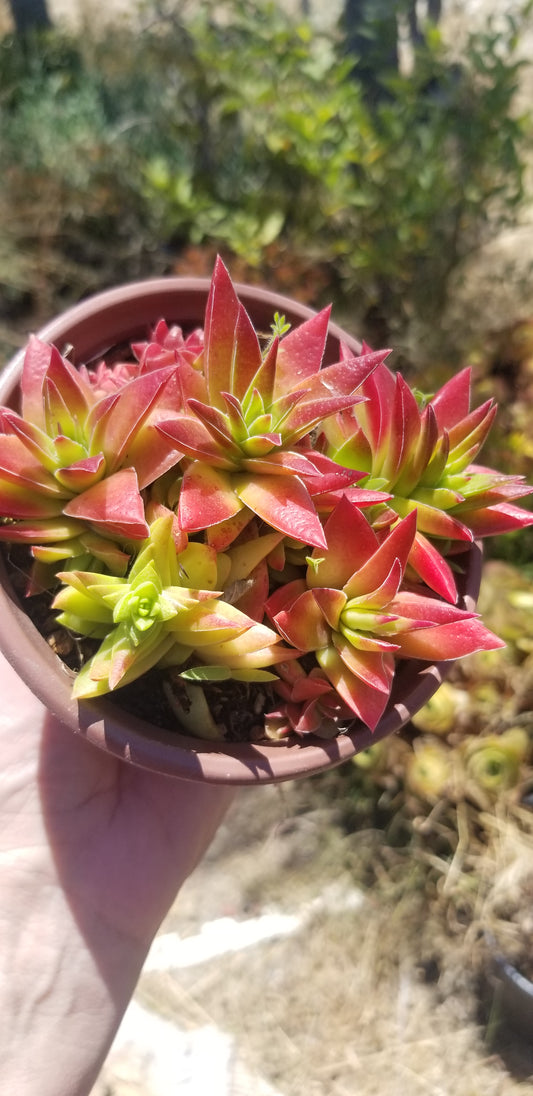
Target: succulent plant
x,y
421,451
223,505
353,610
430,770
73,463
247,420
164,611
492,762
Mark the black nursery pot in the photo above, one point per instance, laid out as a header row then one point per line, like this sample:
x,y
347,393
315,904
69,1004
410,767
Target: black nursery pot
x,y
95,328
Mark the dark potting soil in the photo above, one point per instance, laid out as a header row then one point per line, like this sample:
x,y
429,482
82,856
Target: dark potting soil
x,y
237,707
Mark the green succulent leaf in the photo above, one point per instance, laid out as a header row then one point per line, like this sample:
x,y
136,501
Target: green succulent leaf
x,y
224,673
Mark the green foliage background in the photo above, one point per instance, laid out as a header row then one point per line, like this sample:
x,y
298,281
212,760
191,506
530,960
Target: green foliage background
x,y
233,126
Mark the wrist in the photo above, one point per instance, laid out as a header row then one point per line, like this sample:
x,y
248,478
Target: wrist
x,y
92,854
64,986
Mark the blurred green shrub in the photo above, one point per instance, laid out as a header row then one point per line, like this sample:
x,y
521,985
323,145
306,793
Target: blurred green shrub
x,y
234,124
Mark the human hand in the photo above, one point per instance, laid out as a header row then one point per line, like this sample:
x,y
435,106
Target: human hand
x,y
92,854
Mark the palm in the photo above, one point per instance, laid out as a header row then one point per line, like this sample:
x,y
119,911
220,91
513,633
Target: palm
x,y
92,852
121,839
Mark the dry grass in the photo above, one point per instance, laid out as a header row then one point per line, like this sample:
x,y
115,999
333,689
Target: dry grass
x,y
376,1000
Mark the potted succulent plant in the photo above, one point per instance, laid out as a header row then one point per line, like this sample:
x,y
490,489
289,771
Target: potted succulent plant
x,y
251,532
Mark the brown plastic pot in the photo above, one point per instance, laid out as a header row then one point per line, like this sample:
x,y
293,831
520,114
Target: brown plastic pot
x,y
95,328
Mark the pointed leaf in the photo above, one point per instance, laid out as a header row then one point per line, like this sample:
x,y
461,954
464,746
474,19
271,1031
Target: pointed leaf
x,y
207,497
301,352
265,377
451,403
115,421
152,454
284,597
381,595
246,556
350,542
472,430
223,534
189,384
46,531
219,333
432,567
367,642
396,547
257,448
303,625
65,394
256,647
494,520
366,702
375,415
217,425
404,432
82,473
488,489
437,464
421,453
285,504
113,664
435,523
37,443
234,654
113,506
329,476
246,360
20,502
200,628
235,416
18,465
286,462
41,359
376,669
424,607
329,391
331,602
192,438
448,641
358,496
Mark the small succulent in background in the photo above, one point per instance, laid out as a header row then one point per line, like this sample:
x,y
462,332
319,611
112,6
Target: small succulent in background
x,y
446,712
493,762
477,768
224,508
429,771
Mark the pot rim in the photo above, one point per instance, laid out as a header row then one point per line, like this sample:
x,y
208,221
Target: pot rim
x,y
110,302
101,721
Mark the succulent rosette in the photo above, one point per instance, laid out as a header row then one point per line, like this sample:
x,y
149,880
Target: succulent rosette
x,y
421,451
73,463
247,419
165,610
353,610
224,505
